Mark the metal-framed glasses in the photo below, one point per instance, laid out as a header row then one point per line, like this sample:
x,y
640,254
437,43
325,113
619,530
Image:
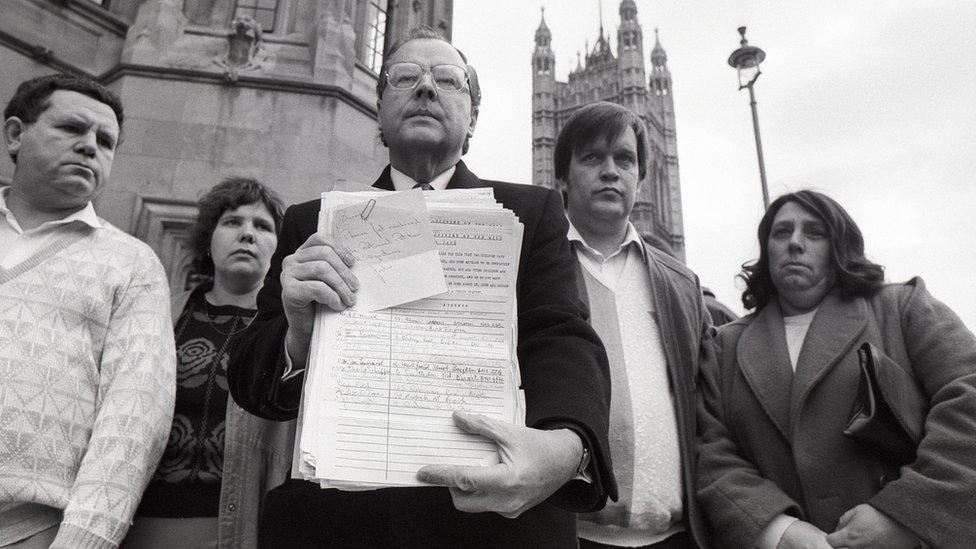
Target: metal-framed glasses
x,y
406,76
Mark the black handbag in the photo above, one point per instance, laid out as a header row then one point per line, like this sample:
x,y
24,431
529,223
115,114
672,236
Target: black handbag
x,y
888,415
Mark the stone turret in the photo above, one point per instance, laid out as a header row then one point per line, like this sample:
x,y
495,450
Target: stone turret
x,y
668,210
625,79
543,105
630,55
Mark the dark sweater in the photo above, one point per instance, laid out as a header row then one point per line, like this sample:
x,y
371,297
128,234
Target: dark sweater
x,y
187,481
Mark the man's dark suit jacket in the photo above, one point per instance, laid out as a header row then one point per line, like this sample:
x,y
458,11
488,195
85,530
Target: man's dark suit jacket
x,y
565,377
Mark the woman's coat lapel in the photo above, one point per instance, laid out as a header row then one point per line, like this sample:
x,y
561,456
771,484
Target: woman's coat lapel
x,y
765,362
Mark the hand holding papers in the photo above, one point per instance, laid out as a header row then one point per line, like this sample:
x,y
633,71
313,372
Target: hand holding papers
x,y
393,243
534,463
382,384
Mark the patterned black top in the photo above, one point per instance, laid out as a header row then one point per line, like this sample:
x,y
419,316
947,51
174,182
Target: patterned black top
x,y
187,481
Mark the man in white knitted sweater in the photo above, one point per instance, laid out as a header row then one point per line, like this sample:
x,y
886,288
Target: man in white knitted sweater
x,y
648,310
87,366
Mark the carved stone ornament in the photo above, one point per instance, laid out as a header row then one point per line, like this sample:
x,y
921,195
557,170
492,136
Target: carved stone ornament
x,y
246,51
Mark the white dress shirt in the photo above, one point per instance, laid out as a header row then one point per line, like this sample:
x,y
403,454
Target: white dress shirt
x,y
17,245
403,182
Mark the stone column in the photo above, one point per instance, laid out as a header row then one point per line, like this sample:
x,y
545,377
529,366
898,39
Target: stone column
x,y
158,25
333,44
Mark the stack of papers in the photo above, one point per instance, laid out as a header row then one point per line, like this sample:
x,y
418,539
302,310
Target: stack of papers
x,y
434,330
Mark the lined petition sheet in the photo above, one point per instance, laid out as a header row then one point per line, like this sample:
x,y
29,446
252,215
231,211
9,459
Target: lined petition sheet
x,y
383,382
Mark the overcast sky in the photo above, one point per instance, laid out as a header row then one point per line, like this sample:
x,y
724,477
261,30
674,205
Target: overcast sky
x,y
873,103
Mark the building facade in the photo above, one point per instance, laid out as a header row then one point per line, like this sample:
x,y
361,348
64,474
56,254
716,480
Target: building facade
x,y
279,90
623,79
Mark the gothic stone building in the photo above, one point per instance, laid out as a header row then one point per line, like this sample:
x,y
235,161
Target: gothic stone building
x,y
279,90
621,79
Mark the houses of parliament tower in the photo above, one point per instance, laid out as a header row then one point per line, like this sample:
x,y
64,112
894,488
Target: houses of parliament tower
x,y
623,79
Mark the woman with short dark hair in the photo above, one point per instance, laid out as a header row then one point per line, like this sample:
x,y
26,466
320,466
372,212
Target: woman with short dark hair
x,y
219,460
775,466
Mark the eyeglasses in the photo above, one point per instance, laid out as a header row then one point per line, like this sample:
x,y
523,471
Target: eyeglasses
x,y
406,76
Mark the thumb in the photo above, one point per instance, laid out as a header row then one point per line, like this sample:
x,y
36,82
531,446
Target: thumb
x,y
840,538
845,519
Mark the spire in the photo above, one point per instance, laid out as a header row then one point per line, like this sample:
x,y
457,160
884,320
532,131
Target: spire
x,y
658,56
601,17
601,52
542,34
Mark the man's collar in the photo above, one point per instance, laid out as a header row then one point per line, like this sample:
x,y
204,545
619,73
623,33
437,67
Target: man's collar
x,y
403,182
85,215
635,239
630,238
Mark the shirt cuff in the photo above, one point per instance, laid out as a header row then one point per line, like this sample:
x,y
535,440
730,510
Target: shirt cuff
x,y
290,371
773,533
587,474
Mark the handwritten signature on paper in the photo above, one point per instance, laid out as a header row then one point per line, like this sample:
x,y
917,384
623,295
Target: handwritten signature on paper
x,y
374,241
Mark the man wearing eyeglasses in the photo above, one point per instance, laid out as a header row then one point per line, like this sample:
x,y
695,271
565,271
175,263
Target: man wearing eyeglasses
x,y
428,101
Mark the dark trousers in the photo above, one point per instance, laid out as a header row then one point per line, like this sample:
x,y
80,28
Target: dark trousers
x,y
681,540
300,514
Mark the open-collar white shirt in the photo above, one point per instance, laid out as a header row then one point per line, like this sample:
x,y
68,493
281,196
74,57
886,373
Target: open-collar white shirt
x,y
16,244
609,269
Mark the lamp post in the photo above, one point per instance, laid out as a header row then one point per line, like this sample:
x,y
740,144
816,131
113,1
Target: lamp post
x,y
746,61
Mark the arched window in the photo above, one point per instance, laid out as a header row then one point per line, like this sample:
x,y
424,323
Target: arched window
x,y
264,12
374,35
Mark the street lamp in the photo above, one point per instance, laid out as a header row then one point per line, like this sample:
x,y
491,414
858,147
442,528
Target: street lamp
x,y
746,61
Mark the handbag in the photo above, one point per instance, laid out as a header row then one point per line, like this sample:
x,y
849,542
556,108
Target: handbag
x,y
888,414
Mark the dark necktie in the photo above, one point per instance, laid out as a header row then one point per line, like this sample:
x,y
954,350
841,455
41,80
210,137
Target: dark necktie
x,y
423,186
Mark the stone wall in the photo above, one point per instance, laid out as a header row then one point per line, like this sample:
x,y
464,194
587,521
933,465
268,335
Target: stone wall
x,y
295,110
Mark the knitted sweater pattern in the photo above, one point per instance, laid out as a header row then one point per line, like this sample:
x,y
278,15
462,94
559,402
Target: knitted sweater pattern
x,y
87,382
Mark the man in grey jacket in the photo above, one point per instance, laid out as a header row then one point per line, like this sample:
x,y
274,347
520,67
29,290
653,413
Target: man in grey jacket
x,y
647,307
